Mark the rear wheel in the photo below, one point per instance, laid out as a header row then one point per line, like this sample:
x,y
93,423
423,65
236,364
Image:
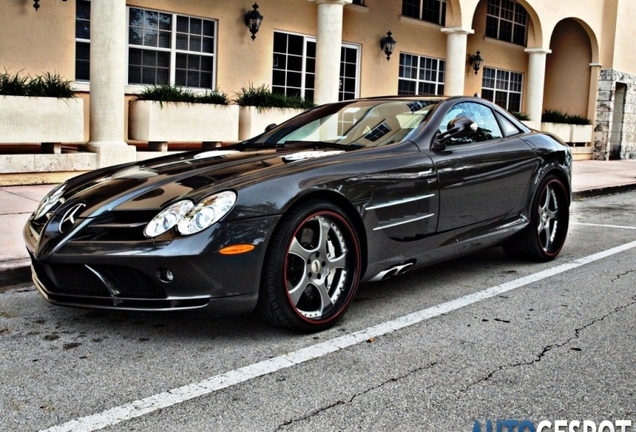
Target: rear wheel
x,y
544,237
312,269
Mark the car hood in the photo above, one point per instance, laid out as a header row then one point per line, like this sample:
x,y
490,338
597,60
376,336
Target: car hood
x,y
151,184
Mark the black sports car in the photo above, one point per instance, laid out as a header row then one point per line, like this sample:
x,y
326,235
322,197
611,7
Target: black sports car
x,y
291,221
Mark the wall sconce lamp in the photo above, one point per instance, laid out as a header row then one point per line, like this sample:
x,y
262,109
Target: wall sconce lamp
x,y
387,43
476,61
253,20
36,4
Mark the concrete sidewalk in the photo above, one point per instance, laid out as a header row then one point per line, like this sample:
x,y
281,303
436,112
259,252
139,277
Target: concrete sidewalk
x,y
590,178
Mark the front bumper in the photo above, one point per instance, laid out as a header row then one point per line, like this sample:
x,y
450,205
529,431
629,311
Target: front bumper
x,y
231,305
185,273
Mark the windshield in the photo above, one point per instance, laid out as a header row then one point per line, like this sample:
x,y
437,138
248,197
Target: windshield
x,y
366,123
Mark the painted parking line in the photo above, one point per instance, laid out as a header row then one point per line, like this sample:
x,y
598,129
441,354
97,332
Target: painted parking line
x,y
210,385
603,226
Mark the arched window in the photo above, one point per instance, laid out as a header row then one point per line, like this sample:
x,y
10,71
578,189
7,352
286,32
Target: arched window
x,y
507,20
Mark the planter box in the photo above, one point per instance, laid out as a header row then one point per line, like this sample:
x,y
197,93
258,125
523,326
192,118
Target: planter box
x,y
180,121
581,134
562,130
41,120
570,133
253,122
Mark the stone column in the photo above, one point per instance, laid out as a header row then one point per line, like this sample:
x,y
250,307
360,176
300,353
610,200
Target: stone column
x,y
107,81
328,47
536,85
456,40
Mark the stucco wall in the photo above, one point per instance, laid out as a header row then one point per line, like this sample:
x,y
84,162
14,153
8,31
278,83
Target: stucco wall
x,y
37,42
625,40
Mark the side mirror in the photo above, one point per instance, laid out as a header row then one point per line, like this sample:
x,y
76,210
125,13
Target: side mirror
x,y
270,126
457,128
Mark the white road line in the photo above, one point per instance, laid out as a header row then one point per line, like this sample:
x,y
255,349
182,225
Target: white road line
x,y
210,385
603,226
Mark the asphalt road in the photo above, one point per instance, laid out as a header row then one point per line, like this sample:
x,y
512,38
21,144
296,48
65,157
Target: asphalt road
x,y
479,338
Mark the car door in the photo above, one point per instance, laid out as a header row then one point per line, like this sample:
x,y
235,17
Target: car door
x,y
483,178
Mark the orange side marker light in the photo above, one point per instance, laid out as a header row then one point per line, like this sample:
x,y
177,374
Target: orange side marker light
x,y
237,249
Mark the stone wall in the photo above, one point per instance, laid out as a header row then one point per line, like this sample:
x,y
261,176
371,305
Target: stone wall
x,y
610,131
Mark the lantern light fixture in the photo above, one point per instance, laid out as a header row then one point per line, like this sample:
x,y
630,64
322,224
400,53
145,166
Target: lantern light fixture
x,y
387,43
253,20
476,61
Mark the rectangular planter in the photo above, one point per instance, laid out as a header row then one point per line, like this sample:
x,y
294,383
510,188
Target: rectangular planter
x,y
562,130
41,120
182,122
581,133
253,121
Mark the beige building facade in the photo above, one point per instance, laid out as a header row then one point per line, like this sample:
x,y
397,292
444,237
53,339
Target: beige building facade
x,y
576,56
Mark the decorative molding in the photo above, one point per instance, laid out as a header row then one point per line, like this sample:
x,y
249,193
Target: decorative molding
x,y
452,30
417,22
538,50
503,43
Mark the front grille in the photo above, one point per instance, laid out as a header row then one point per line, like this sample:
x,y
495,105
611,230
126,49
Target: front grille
x,y
117,226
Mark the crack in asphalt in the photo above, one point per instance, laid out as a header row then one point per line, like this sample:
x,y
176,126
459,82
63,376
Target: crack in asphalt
x,y
344,402
618,276
551,347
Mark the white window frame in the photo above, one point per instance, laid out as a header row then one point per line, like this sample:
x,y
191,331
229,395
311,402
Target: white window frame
x,y
341,90
498,79
172,50
441,19
306,40
513,21
418,82
82,84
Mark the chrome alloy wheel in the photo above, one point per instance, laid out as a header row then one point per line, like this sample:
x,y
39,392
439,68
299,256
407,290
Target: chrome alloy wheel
x,y
316,267
548,225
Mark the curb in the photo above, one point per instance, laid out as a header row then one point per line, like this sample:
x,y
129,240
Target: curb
x,y
609,190
14,273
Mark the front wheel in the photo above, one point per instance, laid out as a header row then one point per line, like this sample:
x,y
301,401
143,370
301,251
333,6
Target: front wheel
x,y
544,237
312,269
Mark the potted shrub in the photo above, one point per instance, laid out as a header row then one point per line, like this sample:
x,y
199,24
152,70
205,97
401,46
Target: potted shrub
x,y
570,128
163,113
41,109
261,108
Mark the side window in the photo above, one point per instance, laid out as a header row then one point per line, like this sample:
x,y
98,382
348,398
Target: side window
x,y
488,128
508,127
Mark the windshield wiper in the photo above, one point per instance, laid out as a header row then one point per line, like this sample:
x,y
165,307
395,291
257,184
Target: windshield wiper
x,y
248,144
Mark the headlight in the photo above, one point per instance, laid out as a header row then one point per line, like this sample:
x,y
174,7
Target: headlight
x,y
168,218
207,212
49,201
189,218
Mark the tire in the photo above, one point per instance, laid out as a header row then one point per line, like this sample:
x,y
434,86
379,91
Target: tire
x,y
545,235
312,269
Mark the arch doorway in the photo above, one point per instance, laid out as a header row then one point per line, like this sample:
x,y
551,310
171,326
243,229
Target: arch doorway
x,y
567,85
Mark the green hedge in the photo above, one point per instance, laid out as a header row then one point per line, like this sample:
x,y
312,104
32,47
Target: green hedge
x,y
173,93
558,116
263,98
46,85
